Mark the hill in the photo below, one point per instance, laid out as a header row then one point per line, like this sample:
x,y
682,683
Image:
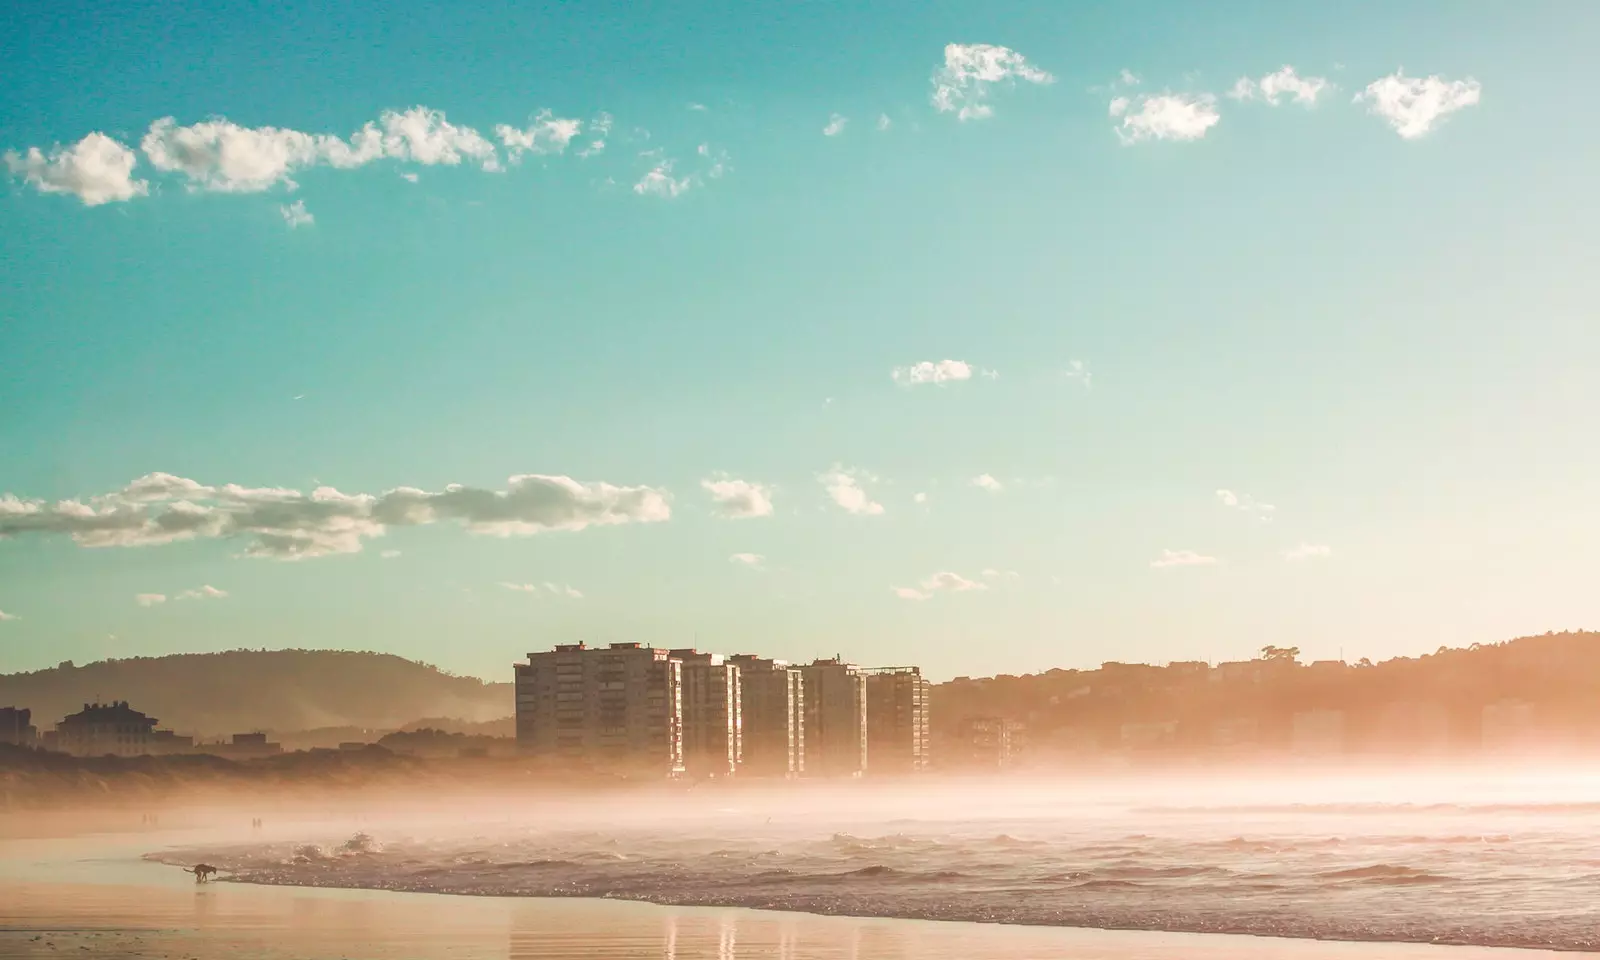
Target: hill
x,y
214,694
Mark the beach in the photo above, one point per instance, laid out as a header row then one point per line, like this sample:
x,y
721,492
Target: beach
x,y
96,896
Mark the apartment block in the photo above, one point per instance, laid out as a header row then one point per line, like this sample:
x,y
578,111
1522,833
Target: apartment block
x,y
774,716
897,719
102,729
618,709
16,727
713,744
836,719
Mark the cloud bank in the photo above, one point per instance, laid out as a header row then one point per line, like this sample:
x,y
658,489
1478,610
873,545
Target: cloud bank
x,y
738,499
286,524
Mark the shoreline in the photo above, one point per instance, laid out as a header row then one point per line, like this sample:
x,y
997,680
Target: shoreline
x,y
115,897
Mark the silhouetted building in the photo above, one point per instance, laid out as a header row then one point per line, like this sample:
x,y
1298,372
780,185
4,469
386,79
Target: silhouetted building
x,y
897,720
100,729
248,746
16,727
618,709
773,712
836,719
165,742
712,728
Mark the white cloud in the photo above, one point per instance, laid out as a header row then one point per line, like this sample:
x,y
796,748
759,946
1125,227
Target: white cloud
x,y
943,582
748,559
409,177
1077,370
1308,551
659,182
149,599
1245,503
846,491
8,616
1167,116
884,122
96,170
552,589
1413,105
984,481
699,107
599,129
1007,575
962,86
290,525
929,371
223,156
1182,558
919,498
547,134
835,125
296,215
389,554
1283,83
718,160
738,499
420,135
207,592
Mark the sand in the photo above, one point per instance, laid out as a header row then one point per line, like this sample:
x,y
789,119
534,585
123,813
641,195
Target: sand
x,y
94,898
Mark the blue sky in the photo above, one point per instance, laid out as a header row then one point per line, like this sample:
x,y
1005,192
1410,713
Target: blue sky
x,y
1304,360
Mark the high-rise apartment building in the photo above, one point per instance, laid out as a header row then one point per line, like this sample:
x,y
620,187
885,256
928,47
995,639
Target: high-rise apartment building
x,y
712,704
774,716
618,708
897,719
836,719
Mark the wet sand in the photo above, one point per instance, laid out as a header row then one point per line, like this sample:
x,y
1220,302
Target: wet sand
x,y
94,898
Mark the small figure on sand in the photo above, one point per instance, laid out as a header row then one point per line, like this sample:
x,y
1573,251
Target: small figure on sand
x,y
203,872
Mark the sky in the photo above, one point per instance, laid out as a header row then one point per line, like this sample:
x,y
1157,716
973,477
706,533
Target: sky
x,y
989,337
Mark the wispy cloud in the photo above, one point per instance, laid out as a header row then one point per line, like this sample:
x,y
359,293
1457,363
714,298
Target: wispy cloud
x,y
970,72
296,215
984,481
1167,116
1274,87
932,371
993,575
921,498
884,122
207,592
1415,105
288,524
659,182
546,588
1182,558
149,599
1077,370
738,499
8,616
836,124
845,488
547,133
389,554
754,560
1308,551
942,582
1244,503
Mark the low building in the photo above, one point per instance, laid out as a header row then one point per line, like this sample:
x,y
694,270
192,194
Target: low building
x,y
897,720
836,719
16,727
773,712
247,746
713,743
102,729
167,743
985,743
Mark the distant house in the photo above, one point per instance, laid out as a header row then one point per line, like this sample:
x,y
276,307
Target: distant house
x,y
16,727
244,746
102,729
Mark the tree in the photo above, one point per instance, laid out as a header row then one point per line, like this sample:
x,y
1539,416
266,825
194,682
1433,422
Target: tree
x,y
1270,652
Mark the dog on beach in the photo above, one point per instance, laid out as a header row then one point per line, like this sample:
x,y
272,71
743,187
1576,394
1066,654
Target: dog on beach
x,y
203,872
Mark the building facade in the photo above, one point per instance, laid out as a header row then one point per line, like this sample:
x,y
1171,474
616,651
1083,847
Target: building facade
x,y
16,727
897,720
985,743
618,709
773,695
713,744
835,719
102,729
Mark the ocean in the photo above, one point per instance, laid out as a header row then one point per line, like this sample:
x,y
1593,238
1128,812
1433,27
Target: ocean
x,y
1490,859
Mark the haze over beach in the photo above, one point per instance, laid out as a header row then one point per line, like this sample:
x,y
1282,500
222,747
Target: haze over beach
x,y
599,480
